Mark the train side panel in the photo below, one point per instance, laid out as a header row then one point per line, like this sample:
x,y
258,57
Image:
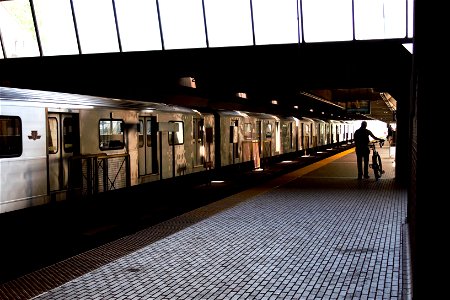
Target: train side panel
x,y
174,146
249,139
246,137
160,142
327,133
207,145
93,141
351,130
198,145
269,147
317,132
308,133
24,178
229,138
289,132
334,129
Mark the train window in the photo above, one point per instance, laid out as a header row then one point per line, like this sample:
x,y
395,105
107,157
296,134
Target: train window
x,y
178,136
199,129
68,134
149,133
258,131
291,135
141,135
248,131
53,135
111,135
10,136
268,130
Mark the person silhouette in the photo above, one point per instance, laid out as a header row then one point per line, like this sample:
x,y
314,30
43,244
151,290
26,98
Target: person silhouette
x,y
362,150
390,134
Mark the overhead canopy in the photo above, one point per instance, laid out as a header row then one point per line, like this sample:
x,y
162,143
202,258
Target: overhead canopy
x,y
335,72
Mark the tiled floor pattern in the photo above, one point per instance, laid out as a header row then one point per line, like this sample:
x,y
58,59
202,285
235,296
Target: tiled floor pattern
x,y
316,233
315,237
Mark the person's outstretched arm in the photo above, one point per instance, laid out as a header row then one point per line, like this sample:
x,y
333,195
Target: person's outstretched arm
x,y
374,137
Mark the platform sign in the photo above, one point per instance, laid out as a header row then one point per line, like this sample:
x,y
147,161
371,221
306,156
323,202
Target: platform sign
x,y
358,106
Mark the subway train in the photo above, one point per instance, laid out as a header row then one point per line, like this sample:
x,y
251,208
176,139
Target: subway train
x,y
58,146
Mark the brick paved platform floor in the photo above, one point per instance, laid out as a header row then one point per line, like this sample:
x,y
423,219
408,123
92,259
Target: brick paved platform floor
x,y
315,233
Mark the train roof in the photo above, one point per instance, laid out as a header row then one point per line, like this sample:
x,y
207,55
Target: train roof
x,y
55,99
259,115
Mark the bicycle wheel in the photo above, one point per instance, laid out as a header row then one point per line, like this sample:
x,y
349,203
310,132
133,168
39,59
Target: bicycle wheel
x,y
380,164
377,166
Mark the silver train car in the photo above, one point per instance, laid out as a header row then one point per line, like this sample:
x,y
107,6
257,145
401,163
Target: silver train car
x,y
57,146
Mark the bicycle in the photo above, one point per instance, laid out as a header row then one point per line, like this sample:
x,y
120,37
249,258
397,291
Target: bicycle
x,y
376,164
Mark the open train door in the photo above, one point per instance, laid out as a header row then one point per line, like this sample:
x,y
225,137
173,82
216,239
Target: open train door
x,y
63,142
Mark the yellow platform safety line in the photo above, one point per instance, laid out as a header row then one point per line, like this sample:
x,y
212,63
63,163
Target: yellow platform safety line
x,y
274,183
305,170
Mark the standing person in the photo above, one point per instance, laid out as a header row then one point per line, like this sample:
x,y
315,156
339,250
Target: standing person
x,y
390,134
362,148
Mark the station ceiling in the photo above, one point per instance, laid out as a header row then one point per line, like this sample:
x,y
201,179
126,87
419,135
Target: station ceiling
x,y
321,77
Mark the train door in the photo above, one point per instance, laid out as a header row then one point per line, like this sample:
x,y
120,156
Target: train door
x,y
314,133
292,136
328,133
267,145
332,134
306,136
336,134
321,133
256,150
339,133
295,145
346,132
285,138
199,143
264,129
234,140
277,138
63,142
258,137
147,148
301,138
